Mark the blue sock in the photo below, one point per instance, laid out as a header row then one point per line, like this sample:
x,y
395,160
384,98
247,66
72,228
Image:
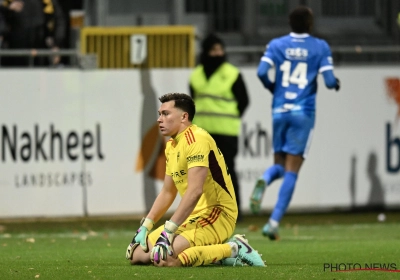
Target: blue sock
x,y
285,195
276,171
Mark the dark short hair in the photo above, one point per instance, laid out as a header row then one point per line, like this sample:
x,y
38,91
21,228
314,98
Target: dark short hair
x,y
182,101
208,43
301,19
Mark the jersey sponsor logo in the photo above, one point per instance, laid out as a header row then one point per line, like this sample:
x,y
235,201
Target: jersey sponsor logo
x,y
178,173
296,53
178,182
290,95
190,136
288,106
291,107
195,158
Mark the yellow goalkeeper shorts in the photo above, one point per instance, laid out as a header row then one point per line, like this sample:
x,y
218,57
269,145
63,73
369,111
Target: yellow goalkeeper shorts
x,y
208,227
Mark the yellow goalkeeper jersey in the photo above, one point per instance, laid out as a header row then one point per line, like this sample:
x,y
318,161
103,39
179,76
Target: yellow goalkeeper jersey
x,y
195,147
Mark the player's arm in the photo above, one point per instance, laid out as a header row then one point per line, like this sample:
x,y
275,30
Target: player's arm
x,y
326,67
266,63
164,199
159,208
262,73
240,92
196,178
330,80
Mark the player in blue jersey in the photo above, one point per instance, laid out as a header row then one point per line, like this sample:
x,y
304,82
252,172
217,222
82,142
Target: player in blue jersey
x,y
297,59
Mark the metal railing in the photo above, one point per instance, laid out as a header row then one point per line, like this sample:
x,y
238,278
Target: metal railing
x,y
166,46
76,59
247,55
341,54
336,49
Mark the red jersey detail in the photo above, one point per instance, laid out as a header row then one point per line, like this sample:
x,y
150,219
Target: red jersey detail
x,y
186,259
212,218
190,136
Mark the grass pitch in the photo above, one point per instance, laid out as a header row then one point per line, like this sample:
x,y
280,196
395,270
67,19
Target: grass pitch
x,y
319,246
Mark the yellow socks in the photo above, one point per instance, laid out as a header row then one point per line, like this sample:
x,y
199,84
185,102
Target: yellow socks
x,y
204,255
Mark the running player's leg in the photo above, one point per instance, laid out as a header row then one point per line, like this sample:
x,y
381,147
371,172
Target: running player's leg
x,y
292,167
297,144
275,171
272,173
280,126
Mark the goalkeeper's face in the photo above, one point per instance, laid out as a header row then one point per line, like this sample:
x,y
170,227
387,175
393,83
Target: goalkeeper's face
x,y
171,120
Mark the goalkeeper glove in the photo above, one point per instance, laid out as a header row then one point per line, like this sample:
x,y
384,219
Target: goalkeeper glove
x,y
164,242
140,237
337,87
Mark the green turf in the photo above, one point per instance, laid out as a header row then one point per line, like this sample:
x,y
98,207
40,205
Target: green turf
x,y
95,249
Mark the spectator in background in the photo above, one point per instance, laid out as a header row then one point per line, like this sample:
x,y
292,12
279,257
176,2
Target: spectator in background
x,y
297,59
71,36
5,8
32,24
221,98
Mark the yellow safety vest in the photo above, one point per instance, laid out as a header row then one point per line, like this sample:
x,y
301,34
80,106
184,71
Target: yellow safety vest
x,y
216,106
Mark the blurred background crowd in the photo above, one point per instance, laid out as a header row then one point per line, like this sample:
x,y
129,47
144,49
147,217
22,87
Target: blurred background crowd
x,y
34,25
357,30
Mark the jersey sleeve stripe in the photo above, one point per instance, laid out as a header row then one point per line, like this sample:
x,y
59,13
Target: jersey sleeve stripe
x,y
325,68
268,60
190,136
187,139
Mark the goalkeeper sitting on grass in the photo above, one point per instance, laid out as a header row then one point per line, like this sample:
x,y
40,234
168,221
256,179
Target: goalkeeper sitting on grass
x,y
198,232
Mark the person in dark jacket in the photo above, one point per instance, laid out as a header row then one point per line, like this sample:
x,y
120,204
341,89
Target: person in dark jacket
x,y
32,24
221,99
